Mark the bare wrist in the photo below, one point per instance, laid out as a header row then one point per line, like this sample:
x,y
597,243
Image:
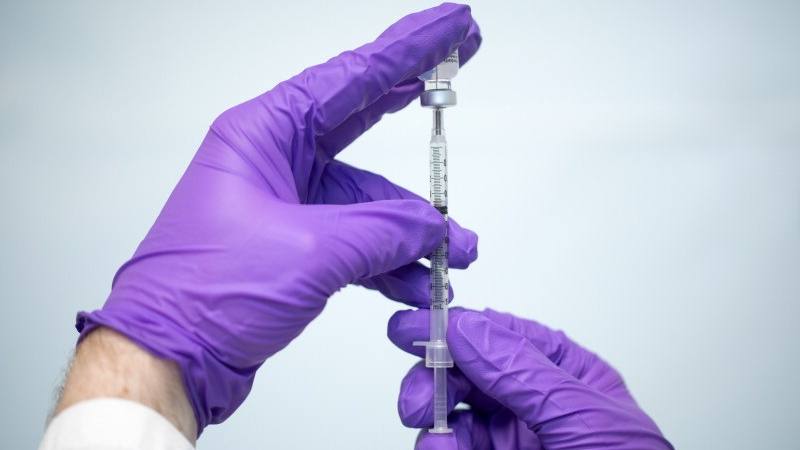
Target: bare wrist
x,y
108,364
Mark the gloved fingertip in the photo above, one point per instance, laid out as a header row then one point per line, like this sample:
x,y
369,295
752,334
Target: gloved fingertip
x,y
471,335
393,324
407,326
471,44
414,401
469,319
472,245
463,246
502,318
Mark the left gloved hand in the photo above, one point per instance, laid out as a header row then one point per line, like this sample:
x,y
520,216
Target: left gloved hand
x,y
528,387
265,224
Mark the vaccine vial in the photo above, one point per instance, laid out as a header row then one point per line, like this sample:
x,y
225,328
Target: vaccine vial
x,y
439,77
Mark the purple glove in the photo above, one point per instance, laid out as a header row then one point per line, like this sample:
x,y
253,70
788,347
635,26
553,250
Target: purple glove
x,y
528,387
265,225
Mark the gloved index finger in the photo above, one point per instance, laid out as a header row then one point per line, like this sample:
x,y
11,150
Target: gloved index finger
x,y
355,79
343,184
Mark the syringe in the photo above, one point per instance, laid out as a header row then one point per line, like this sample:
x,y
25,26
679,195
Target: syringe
x,y
438,95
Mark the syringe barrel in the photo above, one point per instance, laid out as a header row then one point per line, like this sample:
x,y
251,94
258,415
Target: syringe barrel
x,y
437,354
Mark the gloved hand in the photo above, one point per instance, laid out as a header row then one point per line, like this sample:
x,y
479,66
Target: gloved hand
x,y
528,387
265,224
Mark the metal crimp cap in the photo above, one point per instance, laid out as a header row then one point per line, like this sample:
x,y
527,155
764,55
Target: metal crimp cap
x,y
438,98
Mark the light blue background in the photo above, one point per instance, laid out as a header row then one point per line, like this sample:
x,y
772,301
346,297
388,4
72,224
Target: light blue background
x,y
632,168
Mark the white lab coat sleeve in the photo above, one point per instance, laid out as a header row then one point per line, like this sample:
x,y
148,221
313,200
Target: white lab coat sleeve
x,y
112,423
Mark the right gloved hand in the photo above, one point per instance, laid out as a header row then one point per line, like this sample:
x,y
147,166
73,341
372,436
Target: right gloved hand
x,y
528,387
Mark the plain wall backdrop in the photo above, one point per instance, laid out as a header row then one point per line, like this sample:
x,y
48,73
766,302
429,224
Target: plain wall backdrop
x,y
632,169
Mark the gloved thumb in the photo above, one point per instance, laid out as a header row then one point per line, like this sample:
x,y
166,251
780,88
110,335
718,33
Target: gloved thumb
x,y
362,240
